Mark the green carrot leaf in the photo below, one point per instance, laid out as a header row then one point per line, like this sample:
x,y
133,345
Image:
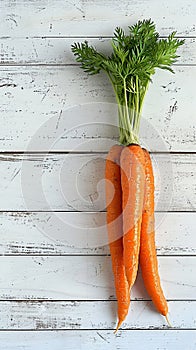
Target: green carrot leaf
x,y
134,59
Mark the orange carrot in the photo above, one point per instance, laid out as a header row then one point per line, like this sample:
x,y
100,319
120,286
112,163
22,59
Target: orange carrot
x,y
134,59
132,181
148,258
115,229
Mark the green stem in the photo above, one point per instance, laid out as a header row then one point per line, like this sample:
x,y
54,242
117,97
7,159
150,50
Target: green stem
x,y
126,103
128,110
128,117
120,112
141,100
137,95
136,104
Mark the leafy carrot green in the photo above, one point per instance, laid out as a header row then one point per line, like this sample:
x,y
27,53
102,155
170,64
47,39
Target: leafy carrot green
x,y
134,59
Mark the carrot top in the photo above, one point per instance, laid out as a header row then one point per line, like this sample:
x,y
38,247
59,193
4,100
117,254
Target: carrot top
x,y
130,66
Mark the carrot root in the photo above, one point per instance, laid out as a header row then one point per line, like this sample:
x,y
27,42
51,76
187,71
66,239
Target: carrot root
x,y
118,326
132,163
148,255
168,321
115,230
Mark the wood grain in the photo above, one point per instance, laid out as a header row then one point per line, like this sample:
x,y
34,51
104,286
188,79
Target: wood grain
x,y
57,51
86,278
37,233
94,17
98,339
75,182
89,315
62,296
63,109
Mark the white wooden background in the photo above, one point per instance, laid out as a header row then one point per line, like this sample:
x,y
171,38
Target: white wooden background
x,y
56,286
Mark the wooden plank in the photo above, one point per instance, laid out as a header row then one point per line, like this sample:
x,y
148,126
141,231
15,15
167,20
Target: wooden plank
x,y
75,182
60,101
101,340
90,315
86,278
27,51
93,17
85,233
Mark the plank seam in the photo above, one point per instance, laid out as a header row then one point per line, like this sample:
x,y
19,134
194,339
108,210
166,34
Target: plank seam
x,y
83,37
44,153
70,65
95,329
87,255
88,212
39,301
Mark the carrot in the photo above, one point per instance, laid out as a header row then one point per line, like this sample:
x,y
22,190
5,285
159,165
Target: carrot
x,y
115,230
148,258
132,180
134,60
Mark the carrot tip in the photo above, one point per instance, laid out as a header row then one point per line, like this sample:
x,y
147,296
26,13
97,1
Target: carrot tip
x,y
167,319
118,326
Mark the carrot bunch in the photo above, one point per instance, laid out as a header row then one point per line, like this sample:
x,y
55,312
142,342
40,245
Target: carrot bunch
x,y
133,184
129,171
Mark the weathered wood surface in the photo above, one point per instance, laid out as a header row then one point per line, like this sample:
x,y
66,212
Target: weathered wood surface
x,y
86,278
79,18
49,104
62,109
75,182
57,51
99,340
37,233
90,315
